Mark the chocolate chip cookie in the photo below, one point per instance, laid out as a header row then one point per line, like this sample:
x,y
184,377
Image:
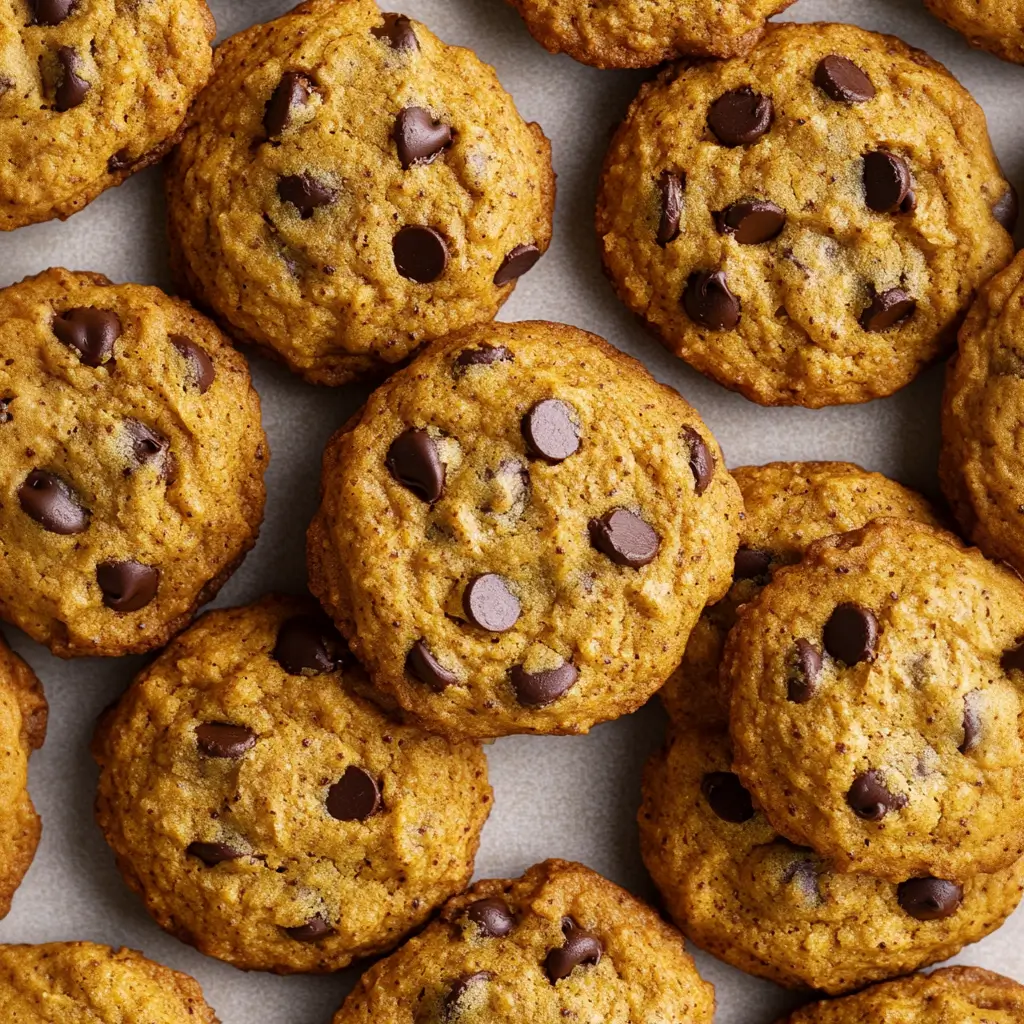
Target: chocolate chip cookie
x,y
22,730
131,462
268,813
520,530
61,982
993,25
744,893
806,224
351,187
559,943
966,995
91,91
878,702
642,33
981,465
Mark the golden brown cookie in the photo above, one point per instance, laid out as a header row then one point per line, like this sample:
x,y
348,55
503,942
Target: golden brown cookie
x,y
981,466
993,25
561,943
91,91
878,703
269,814
808,223
131,462
351,187
520,530
23,713
72,982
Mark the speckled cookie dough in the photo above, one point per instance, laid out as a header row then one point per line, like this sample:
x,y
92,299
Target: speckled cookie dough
x,y
351,187
745,894
877,703
269,814
993,25
642,33
131,462
561,943
952,995
520,531
788,505
22,730
79,982
91,91
981,467
806,224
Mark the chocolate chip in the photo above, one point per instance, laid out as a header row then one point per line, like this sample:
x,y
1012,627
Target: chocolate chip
x,y
414,462
851,633
419,138
671,187
1013,659
803,681
122,160
354,797
213,853
518,261
127,585
887,181
221,739
91,332
709,302
726,796
308,645
972,721
490,604
1006,208
625,538
47,499
702,462
581,947
200,366
751,221
292,92
539,689
751,564
148,446
804,875
869,798
422,665
315,928
6,415
740,117
51,12
484,355
305,193
550,430
492,917
929,899
398,31
841,80
459,989
887,309
421,253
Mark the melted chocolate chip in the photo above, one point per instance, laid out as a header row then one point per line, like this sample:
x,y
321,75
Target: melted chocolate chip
x,y
1006,208
397,30
625,538
539,689
308,645
47,499
492,917
421,253
221,739
751,221
315,928
419,138
870,799
127,585
841,80
726,797
740,117
354,797
671,186
305,193
519,261
581,948
971,721
888,309
422,665
200,366
292,93
887,181
71,89
413,460
6,415
490,604
1013,659
709,302
751,564
803,874
51,12
550,430
929,899
702,462
91,332
851,633
149,447
803,681
484,355
459,989
213,853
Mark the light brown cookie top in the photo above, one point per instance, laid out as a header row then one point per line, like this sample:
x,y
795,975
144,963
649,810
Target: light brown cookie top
x,y
269,814
559,943
520,531
351,187
788,506
952,995
744,893
90,92
805,224
877,703
73,982
642,33
993,25
981,467
23,712
131,462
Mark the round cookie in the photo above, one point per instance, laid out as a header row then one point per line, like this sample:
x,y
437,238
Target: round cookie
x,y
131,462
269,814
980,466
520,530
351,187
877,703
642,33
91,91
561,942
787,506
744,893
806,224
62,982
993,25
959,995
23,712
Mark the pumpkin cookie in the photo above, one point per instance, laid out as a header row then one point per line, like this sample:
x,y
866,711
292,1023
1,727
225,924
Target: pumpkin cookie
x,y
993,25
